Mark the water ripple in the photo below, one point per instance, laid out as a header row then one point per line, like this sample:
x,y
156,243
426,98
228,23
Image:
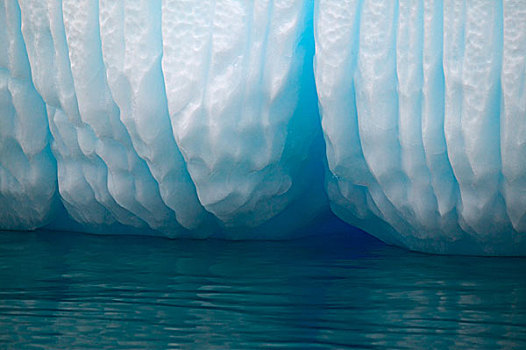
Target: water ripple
x,y
66,291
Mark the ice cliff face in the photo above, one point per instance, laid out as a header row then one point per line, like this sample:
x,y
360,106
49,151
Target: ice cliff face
x,y
200,118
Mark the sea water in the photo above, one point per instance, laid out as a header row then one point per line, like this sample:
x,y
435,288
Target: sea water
x,y
347,289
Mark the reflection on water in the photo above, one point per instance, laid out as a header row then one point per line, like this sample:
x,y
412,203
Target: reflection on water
x,y
70,290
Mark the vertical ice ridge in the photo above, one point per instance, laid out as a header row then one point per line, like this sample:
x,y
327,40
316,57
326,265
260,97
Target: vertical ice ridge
x,y
377,102
379,121
27,167
242,115
137,82
337,41
74,167
265,49
434,140
481,118
229,120
112,22
188,42
439,180
354,193
129,182
80,20
473,142
121,26
207,68
513,114
37,36
185,64
454,51
37,31
232,126
177,188
257,55
409,57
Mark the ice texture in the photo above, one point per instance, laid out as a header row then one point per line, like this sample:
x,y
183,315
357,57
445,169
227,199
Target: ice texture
x,y
254,119
27,167
423,108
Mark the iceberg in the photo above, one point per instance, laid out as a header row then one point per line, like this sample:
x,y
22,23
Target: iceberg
x,y
257,119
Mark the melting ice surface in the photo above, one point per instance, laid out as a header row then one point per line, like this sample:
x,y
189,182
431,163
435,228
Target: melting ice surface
x,y
253,119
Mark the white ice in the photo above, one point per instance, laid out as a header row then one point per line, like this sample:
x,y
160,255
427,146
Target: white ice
x,y
254,119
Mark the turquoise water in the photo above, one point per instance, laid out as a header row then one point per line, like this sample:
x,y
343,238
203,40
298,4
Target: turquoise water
x,y
67,290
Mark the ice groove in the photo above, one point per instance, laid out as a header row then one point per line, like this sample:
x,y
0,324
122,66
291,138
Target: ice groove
x,y
229,119
27,169
453,169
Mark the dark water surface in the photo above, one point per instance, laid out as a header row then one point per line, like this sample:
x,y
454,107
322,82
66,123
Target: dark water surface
x,y
66,290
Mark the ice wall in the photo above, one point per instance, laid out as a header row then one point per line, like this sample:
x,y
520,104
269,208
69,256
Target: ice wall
x,y
27,167
200,118
424,115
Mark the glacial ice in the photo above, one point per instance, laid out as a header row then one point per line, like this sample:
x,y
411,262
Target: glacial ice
x,y
255,119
